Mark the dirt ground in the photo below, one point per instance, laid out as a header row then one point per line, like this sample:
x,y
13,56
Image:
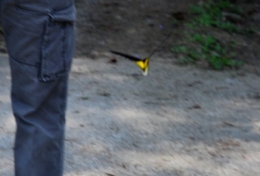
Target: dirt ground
x,y
177,121
130,26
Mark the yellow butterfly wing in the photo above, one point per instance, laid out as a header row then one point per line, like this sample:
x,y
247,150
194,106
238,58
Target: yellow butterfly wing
x,y
144,65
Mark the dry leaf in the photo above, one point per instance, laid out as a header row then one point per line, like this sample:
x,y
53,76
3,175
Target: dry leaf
x,y
112,61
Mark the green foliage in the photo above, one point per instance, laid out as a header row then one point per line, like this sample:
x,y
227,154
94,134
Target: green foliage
x,y
180,49
207,48
210,14
202,47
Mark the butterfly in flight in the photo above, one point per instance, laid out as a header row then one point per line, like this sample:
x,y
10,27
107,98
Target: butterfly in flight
x,y
142,63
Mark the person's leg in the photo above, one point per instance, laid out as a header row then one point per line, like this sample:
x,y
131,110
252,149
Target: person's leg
x,y
40,45
39,111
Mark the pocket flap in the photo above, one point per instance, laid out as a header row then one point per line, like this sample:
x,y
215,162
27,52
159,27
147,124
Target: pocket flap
x,y
64,15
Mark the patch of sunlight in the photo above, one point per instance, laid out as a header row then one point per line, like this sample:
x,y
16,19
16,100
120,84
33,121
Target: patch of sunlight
x,y
130,113
257,124
5,99
79,69
88,172
8,123
163,161
94,148
253,155
81,66
106,74
6,165
8,77
71,122
237,104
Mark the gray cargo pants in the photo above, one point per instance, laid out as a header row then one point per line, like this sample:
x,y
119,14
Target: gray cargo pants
x,y
39,36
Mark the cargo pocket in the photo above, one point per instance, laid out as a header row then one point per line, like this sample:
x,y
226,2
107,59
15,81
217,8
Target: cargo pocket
x,y
57,44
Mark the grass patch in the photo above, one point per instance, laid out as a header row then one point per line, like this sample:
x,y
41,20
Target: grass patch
x,y
201,45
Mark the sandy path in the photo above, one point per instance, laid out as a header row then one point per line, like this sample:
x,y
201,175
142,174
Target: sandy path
x,y
178,121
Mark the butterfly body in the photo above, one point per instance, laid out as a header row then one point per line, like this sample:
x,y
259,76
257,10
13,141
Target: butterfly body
x,y
143,64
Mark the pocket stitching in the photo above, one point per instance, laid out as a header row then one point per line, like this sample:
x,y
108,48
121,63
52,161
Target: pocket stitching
x,y
44,75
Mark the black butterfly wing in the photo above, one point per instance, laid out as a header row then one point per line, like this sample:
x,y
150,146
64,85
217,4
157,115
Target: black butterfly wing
x,y
126,56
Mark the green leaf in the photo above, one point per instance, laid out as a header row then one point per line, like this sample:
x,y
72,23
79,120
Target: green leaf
x,y
216,62
179,49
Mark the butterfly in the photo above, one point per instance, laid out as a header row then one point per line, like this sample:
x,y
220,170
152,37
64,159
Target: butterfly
x,y
142,63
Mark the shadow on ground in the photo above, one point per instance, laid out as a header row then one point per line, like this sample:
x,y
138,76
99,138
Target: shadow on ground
x,y
176,121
